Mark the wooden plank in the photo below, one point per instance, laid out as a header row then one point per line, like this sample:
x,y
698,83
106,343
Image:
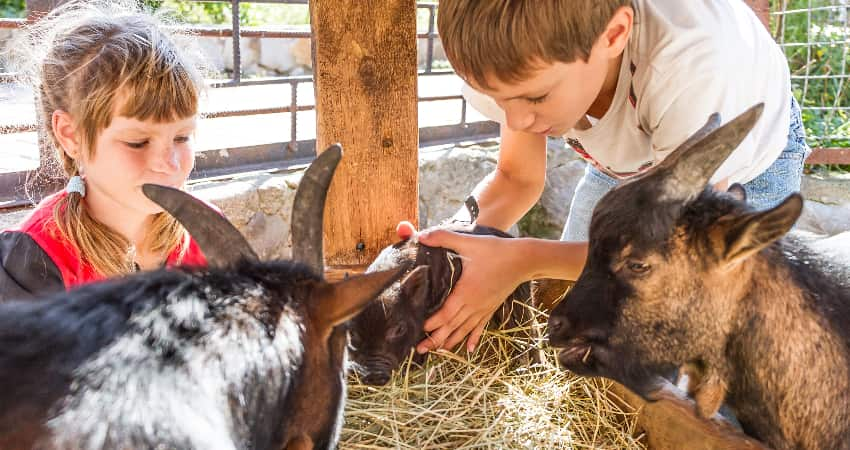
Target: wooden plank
x,y
829,156
672,423
366,100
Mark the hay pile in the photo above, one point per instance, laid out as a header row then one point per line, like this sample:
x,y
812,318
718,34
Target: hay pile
x,y
493,399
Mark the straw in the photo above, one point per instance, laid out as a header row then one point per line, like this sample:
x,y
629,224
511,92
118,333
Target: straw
x,y
495,398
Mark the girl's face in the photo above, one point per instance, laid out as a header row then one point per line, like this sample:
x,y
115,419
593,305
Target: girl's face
x,y
129,153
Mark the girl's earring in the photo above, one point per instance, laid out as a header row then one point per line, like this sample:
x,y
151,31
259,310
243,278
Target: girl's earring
x,y
76,184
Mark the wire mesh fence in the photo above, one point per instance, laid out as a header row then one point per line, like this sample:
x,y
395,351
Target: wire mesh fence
x,y
815,35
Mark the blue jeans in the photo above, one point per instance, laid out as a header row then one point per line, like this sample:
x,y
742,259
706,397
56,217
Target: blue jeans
x,y
768,189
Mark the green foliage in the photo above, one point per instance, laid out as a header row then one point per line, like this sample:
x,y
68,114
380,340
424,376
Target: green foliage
x,y
220,13
828,55
13,8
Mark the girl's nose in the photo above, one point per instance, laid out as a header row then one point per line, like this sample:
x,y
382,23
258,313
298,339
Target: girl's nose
x,y
167,160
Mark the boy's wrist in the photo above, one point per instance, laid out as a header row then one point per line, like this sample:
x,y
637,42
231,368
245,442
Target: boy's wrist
x,y
527,257
542,258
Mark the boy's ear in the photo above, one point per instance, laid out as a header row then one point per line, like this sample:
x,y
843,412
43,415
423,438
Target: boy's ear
x,y
66,133
617,32
746,235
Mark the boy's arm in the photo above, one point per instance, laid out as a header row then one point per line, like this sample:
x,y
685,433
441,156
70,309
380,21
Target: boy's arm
x,y
507,193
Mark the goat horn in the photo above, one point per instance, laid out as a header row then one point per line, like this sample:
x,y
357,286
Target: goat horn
x,y
220,241
308,210
688,170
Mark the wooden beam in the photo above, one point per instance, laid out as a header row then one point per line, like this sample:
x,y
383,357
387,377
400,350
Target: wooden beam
x,y
365,84
829,156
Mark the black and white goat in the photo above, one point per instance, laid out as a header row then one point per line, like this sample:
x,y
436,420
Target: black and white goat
x,y
243,355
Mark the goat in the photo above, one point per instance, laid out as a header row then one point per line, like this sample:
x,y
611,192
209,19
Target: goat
x,y
678,274
386,331
244,354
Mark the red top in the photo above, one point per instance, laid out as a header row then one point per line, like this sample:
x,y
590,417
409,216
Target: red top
x,y
41,227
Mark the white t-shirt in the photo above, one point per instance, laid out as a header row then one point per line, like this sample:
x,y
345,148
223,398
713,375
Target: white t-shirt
x,y
685,60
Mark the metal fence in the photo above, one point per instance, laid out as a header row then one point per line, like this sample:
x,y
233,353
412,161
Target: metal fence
x,y
815,35
16,191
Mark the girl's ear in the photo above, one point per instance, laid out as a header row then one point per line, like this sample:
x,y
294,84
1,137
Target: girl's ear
x,y
66,133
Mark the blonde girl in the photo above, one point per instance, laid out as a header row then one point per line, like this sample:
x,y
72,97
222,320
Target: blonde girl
x,y
118,100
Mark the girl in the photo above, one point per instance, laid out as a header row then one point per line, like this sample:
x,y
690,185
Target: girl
x,y
119,102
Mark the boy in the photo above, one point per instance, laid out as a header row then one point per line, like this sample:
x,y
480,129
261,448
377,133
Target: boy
x,y
624,82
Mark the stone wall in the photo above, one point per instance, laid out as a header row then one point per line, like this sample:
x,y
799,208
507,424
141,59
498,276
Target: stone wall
x,y
259,204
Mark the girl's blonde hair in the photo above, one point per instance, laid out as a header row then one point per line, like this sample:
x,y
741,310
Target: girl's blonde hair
x,y
81,58
503,38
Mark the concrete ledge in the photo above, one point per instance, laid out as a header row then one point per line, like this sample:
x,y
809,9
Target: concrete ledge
x,y
259,203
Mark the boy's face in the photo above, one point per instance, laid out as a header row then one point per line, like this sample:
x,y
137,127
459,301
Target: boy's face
x,y
557,95
554,98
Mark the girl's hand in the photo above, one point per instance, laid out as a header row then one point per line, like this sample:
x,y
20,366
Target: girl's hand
x,y
491,271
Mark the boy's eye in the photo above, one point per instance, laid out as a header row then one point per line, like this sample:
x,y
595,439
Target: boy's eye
x,y
536,100
137,145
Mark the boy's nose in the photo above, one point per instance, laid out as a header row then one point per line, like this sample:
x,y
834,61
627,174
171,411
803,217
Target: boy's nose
x,y
519,120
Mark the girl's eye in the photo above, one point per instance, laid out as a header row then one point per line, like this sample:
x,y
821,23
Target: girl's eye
x,y
137,145
537,100
181,139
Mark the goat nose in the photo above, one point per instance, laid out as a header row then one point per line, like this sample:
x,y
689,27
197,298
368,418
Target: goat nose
x,y
376,379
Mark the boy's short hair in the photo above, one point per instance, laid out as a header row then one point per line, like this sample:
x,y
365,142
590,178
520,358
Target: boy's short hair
x,y
503,38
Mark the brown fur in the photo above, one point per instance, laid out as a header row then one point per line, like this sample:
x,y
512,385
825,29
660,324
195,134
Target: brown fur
x,y
707,281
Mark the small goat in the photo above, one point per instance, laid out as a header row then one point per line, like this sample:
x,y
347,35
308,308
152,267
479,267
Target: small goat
x,y
245,354
678,274
384,334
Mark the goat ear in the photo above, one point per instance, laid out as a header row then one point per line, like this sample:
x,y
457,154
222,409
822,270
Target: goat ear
x,y
688,170
752,232
332,304
415,287
737,190
446,268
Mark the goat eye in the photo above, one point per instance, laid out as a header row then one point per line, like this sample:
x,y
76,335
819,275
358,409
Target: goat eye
x,y
637,267
354,336
397,331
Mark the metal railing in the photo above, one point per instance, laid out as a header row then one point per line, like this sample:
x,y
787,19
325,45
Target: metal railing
x,y
277,155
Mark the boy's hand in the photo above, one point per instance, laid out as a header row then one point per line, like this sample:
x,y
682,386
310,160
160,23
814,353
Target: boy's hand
x,y
490,274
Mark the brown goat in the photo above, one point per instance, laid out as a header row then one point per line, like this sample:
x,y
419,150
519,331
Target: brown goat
x,y
706,281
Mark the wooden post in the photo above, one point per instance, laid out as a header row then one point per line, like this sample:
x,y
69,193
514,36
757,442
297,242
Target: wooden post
x,y
762,10
365,84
